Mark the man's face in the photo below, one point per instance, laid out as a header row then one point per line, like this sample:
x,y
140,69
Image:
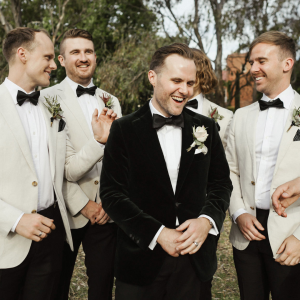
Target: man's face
x,y
40,61
79,60
173,85
267,69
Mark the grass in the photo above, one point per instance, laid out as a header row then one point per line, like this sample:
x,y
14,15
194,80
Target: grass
x,y
224,284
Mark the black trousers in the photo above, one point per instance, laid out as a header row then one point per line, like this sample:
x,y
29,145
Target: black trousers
x,y
99,245
36,278
259,274
176,280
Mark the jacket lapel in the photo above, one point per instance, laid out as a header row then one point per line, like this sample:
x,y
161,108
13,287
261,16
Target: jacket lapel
x,y
251,133
151,146
186,157
205,107
69,99
10,114
287,137
100,101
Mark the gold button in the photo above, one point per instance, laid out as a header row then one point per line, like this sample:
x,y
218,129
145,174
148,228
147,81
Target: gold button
x,y
252,182
96,182
34,183
252,207
34,211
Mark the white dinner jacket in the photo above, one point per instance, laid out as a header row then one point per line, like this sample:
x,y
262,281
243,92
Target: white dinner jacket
x,y
241,157
77,196
224,123
18,178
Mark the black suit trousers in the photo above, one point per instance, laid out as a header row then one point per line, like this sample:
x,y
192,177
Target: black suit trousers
x,y
37,277
259,274
99,245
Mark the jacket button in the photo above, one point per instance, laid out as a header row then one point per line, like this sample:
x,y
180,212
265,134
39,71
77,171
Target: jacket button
x,y
34,183
96,182
34,211
177,204
252,182
252,207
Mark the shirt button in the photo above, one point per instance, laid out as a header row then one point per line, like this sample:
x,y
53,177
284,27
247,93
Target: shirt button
x,y
96,182
252,182
33,211
34,183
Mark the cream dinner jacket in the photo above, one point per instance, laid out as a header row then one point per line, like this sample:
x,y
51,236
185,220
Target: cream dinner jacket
x,y
224,123
18,189
241,157
77,196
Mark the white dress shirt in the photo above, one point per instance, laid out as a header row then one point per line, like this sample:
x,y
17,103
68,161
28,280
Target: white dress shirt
x,y
36,132
269,129
200,100
170,139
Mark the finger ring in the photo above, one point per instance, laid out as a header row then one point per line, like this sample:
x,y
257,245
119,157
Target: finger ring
x,y
196,243
40,234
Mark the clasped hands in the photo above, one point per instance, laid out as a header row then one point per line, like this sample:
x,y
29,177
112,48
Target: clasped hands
x,y
176,242
95,213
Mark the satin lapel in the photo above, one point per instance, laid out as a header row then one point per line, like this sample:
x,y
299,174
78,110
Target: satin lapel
x,y
151,147
186,157
251,133
287,137
71,102
11,116
52,135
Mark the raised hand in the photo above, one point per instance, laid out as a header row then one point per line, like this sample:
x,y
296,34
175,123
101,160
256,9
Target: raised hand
x,y
167,239
285,195
35,227
248,225
196,231
101,124
290,252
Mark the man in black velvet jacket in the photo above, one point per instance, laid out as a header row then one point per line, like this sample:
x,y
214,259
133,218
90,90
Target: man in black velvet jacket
x,y
151,183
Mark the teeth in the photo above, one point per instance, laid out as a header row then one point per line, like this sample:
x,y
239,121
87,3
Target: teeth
x,y
83,66
258,78
178,98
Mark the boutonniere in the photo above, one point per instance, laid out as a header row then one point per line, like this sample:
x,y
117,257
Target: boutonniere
x,y
214,114
107,99
200,135
296,118
54,108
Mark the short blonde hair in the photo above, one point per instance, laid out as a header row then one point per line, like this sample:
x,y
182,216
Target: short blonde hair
x,y
206,78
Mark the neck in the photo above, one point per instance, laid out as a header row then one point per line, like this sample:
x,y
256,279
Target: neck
x,y
159,108
279,89
21,79
83,82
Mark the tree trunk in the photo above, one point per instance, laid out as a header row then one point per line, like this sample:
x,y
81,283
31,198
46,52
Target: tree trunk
x,y
16,10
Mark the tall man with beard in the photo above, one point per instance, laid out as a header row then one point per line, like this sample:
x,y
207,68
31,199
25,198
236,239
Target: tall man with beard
x,y
263,153
33,150
79,98
154,179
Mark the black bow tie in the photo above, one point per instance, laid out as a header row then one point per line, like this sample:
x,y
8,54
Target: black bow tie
x,y
81,90
159,121
33,97
265,105
192,103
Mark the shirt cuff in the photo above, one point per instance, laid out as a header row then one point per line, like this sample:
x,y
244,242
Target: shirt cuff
x,y
101,145
214,230
238,213
16,224
154,241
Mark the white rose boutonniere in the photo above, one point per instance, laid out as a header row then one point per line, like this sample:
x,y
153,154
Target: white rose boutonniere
x,y
200,135
296,118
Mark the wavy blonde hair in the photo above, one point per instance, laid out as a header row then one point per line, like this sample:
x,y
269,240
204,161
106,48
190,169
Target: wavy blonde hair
x,y
206,78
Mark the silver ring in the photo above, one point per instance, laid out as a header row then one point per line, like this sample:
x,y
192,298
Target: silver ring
x,y
40,234
196,243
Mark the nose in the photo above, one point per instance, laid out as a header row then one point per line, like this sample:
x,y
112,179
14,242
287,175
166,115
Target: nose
x,y
254,67
82,56
184,88
53,65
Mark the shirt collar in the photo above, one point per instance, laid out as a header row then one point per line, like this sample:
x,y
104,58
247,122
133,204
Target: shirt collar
x,y
287,96
154,110
199,98
13,89
74,85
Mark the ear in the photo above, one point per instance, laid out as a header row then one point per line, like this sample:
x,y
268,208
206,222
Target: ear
x,y
61,60
288,64
152,76
22,54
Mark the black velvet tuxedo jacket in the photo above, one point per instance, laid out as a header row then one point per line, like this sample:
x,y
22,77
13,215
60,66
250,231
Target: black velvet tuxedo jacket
x,y
137,194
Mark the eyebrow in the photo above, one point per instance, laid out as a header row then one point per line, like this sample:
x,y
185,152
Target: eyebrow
x,y
87,49
49,55
259,58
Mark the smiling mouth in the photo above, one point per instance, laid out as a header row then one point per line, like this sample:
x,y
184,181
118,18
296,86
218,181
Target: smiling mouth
x,y
178,99
83,66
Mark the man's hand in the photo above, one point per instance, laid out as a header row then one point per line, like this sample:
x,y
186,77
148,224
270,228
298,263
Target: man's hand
x,y
290,252
31,226
95,213
101,124
285,195
167,239
196,231
248,225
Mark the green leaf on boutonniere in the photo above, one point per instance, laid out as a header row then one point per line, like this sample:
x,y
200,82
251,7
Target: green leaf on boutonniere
x,y
214,114
296,118
107,99
54,108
